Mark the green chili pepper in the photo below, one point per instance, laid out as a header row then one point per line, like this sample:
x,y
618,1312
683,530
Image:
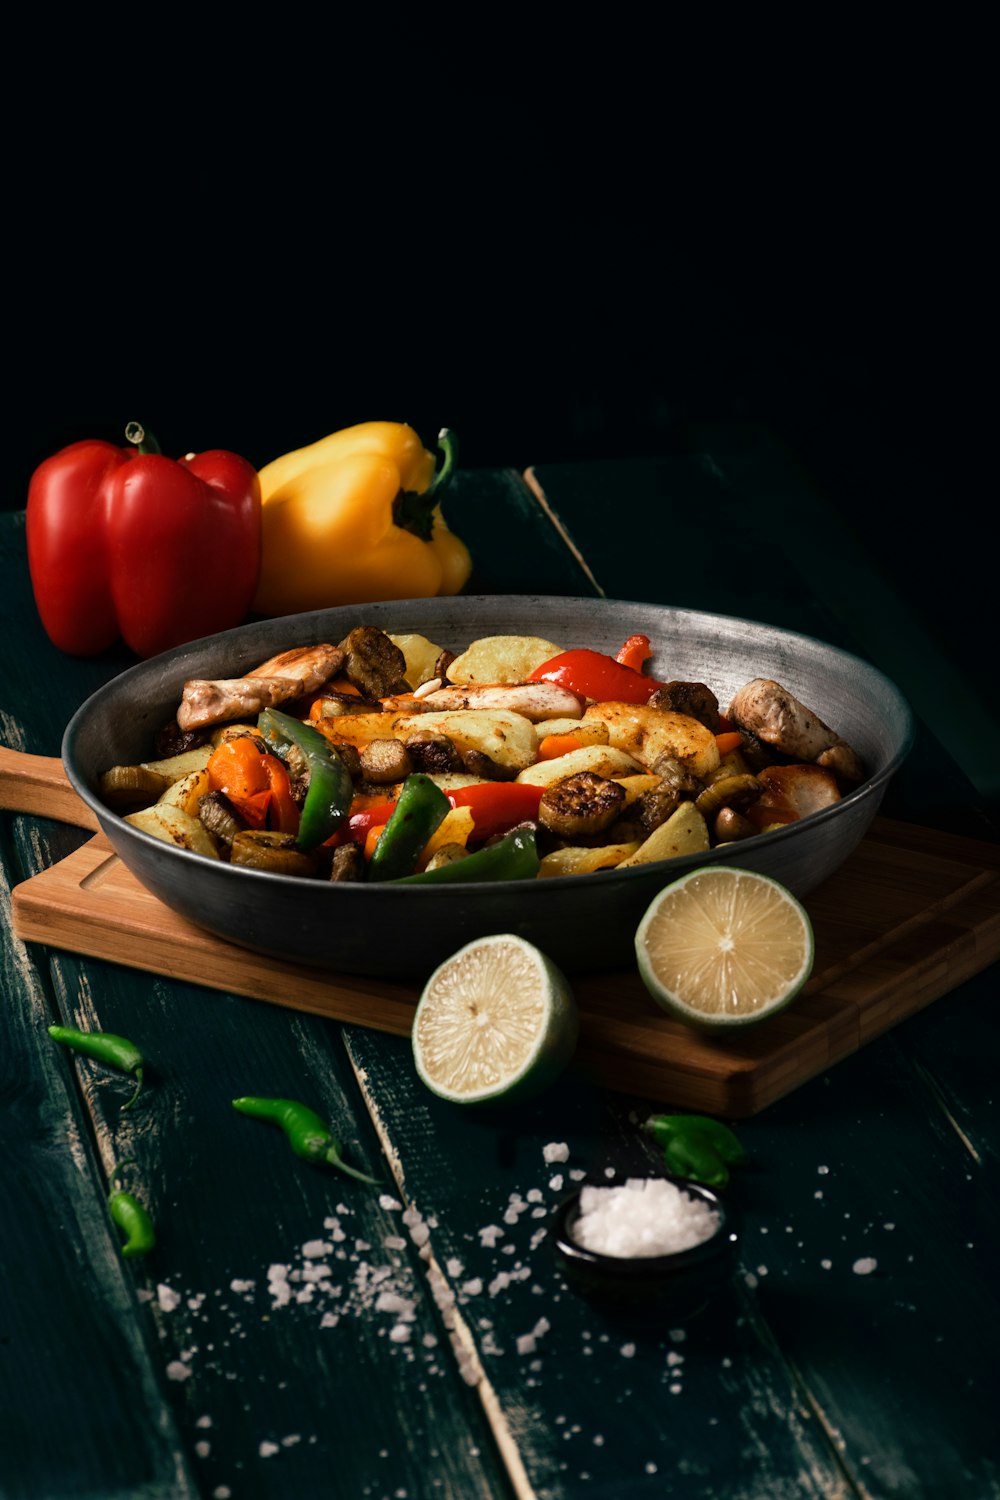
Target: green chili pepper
x,y
420,809
308,1135
115,1051
328,799
129,1214
665,1127
514,857
697,1147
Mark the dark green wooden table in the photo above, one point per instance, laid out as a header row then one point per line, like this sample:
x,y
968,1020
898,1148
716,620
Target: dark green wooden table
x,y
295,1334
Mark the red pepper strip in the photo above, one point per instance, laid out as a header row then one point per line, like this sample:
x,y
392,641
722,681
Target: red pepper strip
x,y
597,676
635,652
496,806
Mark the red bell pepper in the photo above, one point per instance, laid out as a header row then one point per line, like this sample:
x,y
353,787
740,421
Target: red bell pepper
x,y
597,676
496,806
126,542
635,652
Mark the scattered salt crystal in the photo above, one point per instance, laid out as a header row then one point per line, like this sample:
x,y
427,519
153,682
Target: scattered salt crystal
x,y
826,1264
205,1421
627,1351
178,1370
400,1334
556,1183
394,1242
454,1266
526,1343
864,1266
167,1297
822,1171
268,1450
203,1449
534,1195
386,1200
555,1151
329,1320
239,1284
646,1216
316,1249
489,1234
473,1287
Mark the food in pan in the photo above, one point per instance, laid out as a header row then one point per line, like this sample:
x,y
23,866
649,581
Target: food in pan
x,y
388,758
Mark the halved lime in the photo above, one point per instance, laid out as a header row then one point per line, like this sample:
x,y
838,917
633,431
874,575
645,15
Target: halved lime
x,y
724,947
496,1023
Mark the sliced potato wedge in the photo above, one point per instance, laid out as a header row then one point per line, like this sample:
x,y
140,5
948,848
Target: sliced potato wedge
x,y
587,731
648,733
603,760
580,861
507,738
174,826
634,786
421,657
186,793
502,658
176,766
456,827
684,832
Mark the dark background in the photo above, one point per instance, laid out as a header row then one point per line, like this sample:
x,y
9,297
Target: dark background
x,y
564,246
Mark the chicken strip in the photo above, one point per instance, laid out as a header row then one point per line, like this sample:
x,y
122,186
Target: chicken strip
x,y
532,700
301,670
771,714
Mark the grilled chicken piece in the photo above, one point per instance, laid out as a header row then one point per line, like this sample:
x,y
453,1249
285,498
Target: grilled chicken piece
x,y
374,663
581,804
532,700
275,681
769,712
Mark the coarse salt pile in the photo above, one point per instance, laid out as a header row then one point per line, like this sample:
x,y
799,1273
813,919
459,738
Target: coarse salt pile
x,y
644,1216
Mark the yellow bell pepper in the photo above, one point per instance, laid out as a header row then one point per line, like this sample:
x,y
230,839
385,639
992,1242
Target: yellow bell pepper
x,y
354,518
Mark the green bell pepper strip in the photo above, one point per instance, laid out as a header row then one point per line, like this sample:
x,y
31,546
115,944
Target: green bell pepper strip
x,y
128,1214
105,1047
308,1135
420,809
514,857
328,799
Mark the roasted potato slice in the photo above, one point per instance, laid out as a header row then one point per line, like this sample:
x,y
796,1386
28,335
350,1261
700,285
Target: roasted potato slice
x,y
647,733
177,766
684,832
421,657
502,658
587,731
578,861
186,793
507,738
603,760
174,826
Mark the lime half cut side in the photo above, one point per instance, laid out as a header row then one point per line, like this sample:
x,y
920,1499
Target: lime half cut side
x,y
724,947
496,1023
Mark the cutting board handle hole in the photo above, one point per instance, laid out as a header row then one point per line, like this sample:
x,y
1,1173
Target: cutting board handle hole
x,y
100,872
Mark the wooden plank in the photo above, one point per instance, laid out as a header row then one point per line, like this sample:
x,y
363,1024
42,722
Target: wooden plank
x,y
896,927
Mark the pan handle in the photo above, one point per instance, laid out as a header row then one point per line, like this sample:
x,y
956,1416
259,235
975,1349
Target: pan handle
x,y
38,784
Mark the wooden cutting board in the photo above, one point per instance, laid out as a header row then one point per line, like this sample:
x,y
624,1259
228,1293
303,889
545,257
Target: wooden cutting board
x,y
910,915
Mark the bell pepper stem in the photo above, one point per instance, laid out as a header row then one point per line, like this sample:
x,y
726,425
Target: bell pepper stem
x,y
143,440
415,512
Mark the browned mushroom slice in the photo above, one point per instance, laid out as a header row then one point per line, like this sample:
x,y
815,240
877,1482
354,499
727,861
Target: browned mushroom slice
x,y
374,663
580,805
772,714
215,701
792,792
384,761
432,753
692,698
348,863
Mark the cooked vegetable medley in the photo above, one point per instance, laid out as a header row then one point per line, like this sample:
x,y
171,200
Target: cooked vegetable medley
x,y
386,758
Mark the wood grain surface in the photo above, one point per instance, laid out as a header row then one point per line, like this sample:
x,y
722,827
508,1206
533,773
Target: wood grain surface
x,y
909,916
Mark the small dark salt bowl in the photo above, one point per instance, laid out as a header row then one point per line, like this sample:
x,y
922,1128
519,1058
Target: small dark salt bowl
x,y
674,1286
